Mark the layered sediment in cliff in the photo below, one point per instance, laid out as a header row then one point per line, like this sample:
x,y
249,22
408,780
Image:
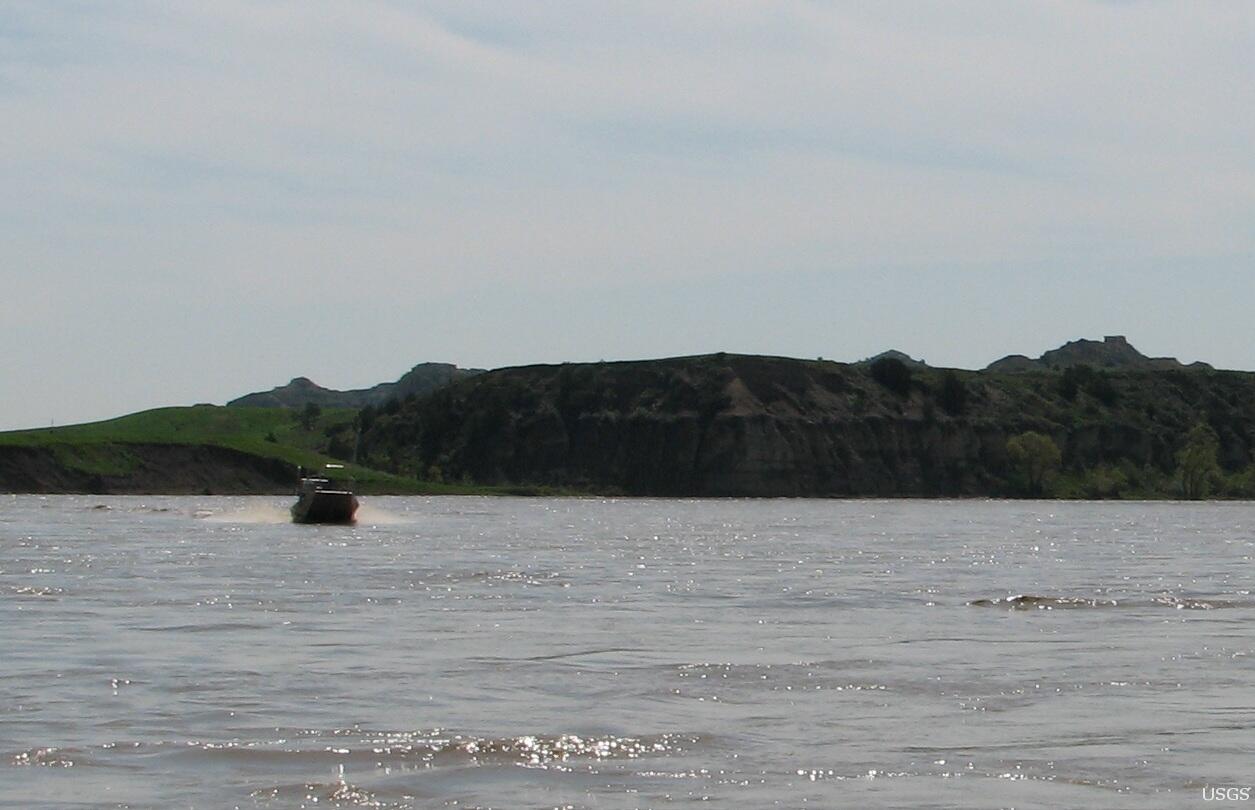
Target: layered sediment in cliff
x,y
727,425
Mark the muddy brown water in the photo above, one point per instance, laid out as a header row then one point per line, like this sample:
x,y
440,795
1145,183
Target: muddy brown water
x,y
506,653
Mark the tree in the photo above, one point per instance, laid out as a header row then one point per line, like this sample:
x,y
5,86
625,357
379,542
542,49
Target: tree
x,y
893,374
1101,388
310,414
953,396
1071,379
1196,461
1097,384
366,418
1036,456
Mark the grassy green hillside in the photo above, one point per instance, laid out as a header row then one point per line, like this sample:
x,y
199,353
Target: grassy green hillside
x,y
201,424
111,448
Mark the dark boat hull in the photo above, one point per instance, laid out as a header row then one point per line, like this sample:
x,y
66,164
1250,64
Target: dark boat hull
x,y
325,507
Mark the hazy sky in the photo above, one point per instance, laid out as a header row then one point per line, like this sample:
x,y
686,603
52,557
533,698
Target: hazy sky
x,y
202,199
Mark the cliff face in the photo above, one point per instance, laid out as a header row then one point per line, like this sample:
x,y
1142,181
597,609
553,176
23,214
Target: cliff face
x,y
737,425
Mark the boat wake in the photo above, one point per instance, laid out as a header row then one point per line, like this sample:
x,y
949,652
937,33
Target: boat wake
x,y
263,513
253,513
359,748
1039,602
373,515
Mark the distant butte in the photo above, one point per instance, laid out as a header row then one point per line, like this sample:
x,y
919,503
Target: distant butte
x,y
422,379
1112,352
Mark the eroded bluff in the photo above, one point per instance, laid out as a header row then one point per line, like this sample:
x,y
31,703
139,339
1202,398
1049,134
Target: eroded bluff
x,y
761,426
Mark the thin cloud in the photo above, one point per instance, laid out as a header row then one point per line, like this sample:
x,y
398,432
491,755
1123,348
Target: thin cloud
x,y
439,148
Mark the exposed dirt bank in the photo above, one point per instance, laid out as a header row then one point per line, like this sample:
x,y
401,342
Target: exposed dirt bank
x,y
150,469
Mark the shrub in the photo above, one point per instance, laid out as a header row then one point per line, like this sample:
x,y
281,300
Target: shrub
x,y
1105,482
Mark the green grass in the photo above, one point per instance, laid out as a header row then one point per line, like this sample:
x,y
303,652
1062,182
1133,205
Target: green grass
x,y
199,424
95,459
101,447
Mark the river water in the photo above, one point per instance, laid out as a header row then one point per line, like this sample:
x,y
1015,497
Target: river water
x,y
541,653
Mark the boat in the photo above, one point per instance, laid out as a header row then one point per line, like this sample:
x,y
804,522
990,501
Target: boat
x,y
322,499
